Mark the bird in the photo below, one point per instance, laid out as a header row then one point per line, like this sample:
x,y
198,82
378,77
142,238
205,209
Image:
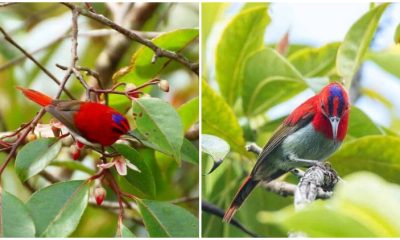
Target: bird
x,y
310,134
90,123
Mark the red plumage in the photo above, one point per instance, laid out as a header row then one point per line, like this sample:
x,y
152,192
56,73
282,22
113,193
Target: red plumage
x,y
313,131
94,122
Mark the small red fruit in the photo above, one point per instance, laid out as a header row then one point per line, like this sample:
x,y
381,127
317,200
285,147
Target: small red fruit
x,y
99,195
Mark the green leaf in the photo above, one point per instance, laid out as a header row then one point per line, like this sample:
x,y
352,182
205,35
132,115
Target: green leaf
x,y
189,152
163,219
57,209
388,59
377,96
143,180
250,5
360,124
397,34
216,148
356,210
378,154
220,120
142,69
16,219
126,233
160,124
35,156
211,12
189,113
267,86
356,42
73,165
315,62
242,36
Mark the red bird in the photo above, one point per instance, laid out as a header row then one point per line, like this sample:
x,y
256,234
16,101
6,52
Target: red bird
x,y
310,134
88,122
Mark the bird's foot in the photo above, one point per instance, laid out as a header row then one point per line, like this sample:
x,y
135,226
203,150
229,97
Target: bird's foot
x,y
297,172
254,148
305,162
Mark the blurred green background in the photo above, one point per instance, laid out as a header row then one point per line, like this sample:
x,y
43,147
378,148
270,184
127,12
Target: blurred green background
x,y
43,29
260,61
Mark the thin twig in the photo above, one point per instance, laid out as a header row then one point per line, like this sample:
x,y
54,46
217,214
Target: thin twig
x,y
132,35
52,77
92,33
214,210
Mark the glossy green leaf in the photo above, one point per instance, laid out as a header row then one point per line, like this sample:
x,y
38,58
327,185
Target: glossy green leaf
x,y
242,36
189,113
388,59
126,233
357,40
143,180
356,210
267,86
16,220
163,219
35,156
215,147
360,124
73,165
378,154
160,124
189,152
57,209
315,62
210,12
220,120
141,68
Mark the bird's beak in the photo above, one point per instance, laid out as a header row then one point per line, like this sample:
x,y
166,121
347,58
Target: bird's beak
x,y
335,125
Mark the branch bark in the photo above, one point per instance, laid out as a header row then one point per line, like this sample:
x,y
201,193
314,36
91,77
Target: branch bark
x,y
159,52
214,210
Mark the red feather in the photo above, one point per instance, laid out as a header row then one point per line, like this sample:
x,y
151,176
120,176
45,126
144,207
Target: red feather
x,y
95,122
36,96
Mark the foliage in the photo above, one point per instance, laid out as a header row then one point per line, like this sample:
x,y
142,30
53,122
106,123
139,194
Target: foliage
x,y
44,192
251,78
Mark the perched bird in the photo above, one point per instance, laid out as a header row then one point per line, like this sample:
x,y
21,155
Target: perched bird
x,y
88,122
310,134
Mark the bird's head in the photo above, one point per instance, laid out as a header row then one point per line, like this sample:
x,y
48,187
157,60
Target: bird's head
x,y
334,104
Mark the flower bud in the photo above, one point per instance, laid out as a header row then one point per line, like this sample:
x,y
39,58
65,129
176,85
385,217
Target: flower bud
x,y
133,94
75,152
99,195
164,85
31,137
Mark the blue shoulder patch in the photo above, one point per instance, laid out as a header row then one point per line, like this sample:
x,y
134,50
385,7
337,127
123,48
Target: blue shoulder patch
x,y
117,118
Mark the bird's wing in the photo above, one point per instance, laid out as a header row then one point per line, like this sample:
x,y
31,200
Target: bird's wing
x,y
64,111
299,118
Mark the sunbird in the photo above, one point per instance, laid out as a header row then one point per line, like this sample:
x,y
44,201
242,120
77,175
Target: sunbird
x,y
309,135
89,123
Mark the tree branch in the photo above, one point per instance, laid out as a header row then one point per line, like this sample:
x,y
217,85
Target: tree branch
x,y
214,210
135,37
52,77
318,182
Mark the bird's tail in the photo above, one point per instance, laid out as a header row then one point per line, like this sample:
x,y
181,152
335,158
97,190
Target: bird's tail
x,y
36,96
247,186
